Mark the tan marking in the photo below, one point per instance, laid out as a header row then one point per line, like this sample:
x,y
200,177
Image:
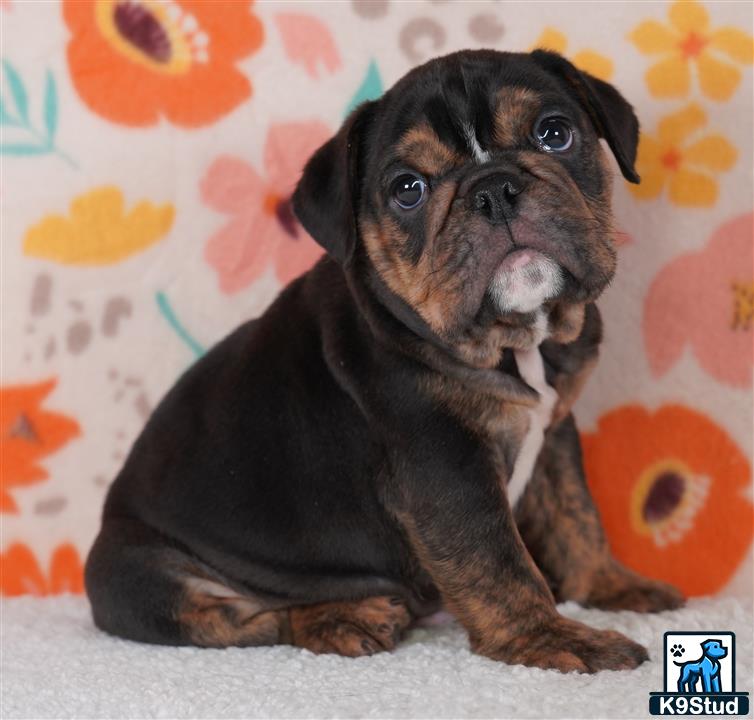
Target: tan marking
x,y
215,615
569,388
424,286
510,618
485,413
562,530
615,587
565,322
516,110
437,287
608,171
483,347
471,591
423,150
517,623
559,525
483,350
353,629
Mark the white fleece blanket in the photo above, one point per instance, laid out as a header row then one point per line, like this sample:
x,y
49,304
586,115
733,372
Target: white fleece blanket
x,y
55,664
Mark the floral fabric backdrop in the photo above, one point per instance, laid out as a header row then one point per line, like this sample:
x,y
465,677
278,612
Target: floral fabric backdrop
x,y
149,149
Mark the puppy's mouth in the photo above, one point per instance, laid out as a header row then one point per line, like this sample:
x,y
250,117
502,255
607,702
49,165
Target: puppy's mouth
x,y
524,280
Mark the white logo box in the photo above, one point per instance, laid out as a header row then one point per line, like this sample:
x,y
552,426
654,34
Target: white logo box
x,y
691,644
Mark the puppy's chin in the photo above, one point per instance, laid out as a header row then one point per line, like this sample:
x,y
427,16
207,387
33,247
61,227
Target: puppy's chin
x,y
524,281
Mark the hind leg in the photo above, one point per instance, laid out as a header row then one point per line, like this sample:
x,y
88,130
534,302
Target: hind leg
x,y
144,588
361,627
688,680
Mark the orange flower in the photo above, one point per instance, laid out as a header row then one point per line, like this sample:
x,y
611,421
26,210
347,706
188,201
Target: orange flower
x,y
20,573
28,433
132,60
670,489
689,40
668,159
588,60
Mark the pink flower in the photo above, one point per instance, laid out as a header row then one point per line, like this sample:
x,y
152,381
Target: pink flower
x,y
706,299
262,228
308,42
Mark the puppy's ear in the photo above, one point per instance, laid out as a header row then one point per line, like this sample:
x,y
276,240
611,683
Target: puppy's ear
x,y
327,195
612,115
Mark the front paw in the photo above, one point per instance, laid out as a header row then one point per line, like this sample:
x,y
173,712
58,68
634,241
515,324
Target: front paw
x,y
567,645
625,590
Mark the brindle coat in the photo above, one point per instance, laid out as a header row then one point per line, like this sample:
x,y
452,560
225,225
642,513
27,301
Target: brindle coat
x,y
339,466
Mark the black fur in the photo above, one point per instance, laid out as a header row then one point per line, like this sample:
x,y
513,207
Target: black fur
x,y
613,117
303,459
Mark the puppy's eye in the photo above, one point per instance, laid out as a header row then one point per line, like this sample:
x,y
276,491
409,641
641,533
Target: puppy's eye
x,y
554,134
409,191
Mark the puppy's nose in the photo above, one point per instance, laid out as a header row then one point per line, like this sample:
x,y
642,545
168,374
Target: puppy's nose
x,y
494,196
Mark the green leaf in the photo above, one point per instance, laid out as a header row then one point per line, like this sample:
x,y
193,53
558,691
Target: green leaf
x,y
17,90
370,88
50,106
24,149
5,117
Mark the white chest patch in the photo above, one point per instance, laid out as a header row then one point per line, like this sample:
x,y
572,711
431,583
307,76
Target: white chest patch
x,y
532,370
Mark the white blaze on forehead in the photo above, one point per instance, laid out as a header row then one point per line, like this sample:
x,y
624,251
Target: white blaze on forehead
x,y
481,156
531,368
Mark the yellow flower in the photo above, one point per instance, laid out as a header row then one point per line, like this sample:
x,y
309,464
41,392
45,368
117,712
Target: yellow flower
x,y
587,60
98,231
687,40
667,159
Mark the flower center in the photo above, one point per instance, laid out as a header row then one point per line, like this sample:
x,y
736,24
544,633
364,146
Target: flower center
x,y
158,35
671,159
692,45
743,305
22,428
140,27
282,209
663,497
665,500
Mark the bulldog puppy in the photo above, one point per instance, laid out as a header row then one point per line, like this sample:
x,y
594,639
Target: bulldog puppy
x,y
395,432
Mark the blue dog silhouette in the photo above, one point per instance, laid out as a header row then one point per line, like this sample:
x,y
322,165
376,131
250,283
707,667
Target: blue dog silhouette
x,y
707,668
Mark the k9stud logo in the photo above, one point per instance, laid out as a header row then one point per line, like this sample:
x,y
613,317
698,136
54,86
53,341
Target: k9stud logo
x,y
700,676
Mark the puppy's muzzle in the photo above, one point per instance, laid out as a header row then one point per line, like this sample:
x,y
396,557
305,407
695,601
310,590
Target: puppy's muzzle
x,y
495,194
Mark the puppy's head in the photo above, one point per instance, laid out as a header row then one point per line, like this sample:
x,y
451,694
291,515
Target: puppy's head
x,y
478,193
714,649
